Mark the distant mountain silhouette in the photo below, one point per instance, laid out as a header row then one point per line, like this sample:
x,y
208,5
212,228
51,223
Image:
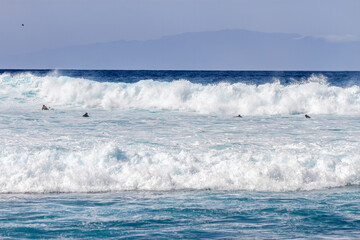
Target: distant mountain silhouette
x,y
217,50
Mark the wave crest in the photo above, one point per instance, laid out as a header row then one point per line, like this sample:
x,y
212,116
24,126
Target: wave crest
x,y
314,95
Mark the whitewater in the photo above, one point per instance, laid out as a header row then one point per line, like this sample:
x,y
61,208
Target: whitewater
x,y
312,95
159,135
155,135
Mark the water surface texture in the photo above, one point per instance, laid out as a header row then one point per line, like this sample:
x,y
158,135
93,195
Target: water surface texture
x,y
162,154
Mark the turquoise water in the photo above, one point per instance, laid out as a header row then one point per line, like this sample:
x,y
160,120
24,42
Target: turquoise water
x,y
330,213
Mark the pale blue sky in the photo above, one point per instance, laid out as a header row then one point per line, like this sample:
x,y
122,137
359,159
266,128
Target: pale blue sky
x,y
54,23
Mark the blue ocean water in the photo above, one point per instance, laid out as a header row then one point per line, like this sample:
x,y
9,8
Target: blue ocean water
x,y
163,156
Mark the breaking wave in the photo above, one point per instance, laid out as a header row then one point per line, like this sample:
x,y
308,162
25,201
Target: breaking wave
x,y
108,168
312,96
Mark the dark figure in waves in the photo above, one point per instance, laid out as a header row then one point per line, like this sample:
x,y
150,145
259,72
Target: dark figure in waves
x,y
86,115
44,108
239,116
307,116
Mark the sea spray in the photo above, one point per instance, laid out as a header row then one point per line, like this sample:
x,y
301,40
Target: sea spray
x,y
313,96
109,168
166,158
176,135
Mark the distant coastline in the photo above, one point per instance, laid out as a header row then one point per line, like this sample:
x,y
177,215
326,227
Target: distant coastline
x,y
231,50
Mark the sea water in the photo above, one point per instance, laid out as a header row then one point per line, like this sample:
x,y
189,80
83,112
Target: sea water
x,y
162,154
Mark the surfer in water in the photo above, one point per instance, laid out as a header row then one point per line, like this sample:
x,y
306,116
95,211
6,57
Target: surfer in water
x,y
86,115
239,116
44,108
307,116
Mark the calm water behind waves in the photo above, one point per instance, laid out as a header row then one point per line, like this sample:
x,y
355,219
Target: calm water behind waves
x,y
346,78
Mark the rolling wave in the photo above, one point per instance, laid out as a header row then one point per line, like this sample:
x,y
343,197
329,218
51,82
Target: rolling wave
x,y
314,95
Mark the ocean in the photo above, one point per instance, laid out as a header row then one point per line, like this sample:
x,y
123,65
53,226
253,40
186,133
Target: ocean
x,y
163,154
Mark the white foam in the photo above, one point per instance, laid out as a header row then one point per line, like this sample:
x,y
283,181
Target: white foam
x,y
108,168
313,96
121,147
59,151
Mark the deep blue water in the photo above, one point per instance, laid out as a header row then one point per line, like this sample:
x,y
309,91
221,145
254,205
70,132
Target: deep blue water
x,y
345,78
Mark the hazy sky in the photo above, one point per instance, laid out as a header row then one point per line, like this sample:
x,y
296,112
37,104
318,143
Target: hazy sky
x,y
54,23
